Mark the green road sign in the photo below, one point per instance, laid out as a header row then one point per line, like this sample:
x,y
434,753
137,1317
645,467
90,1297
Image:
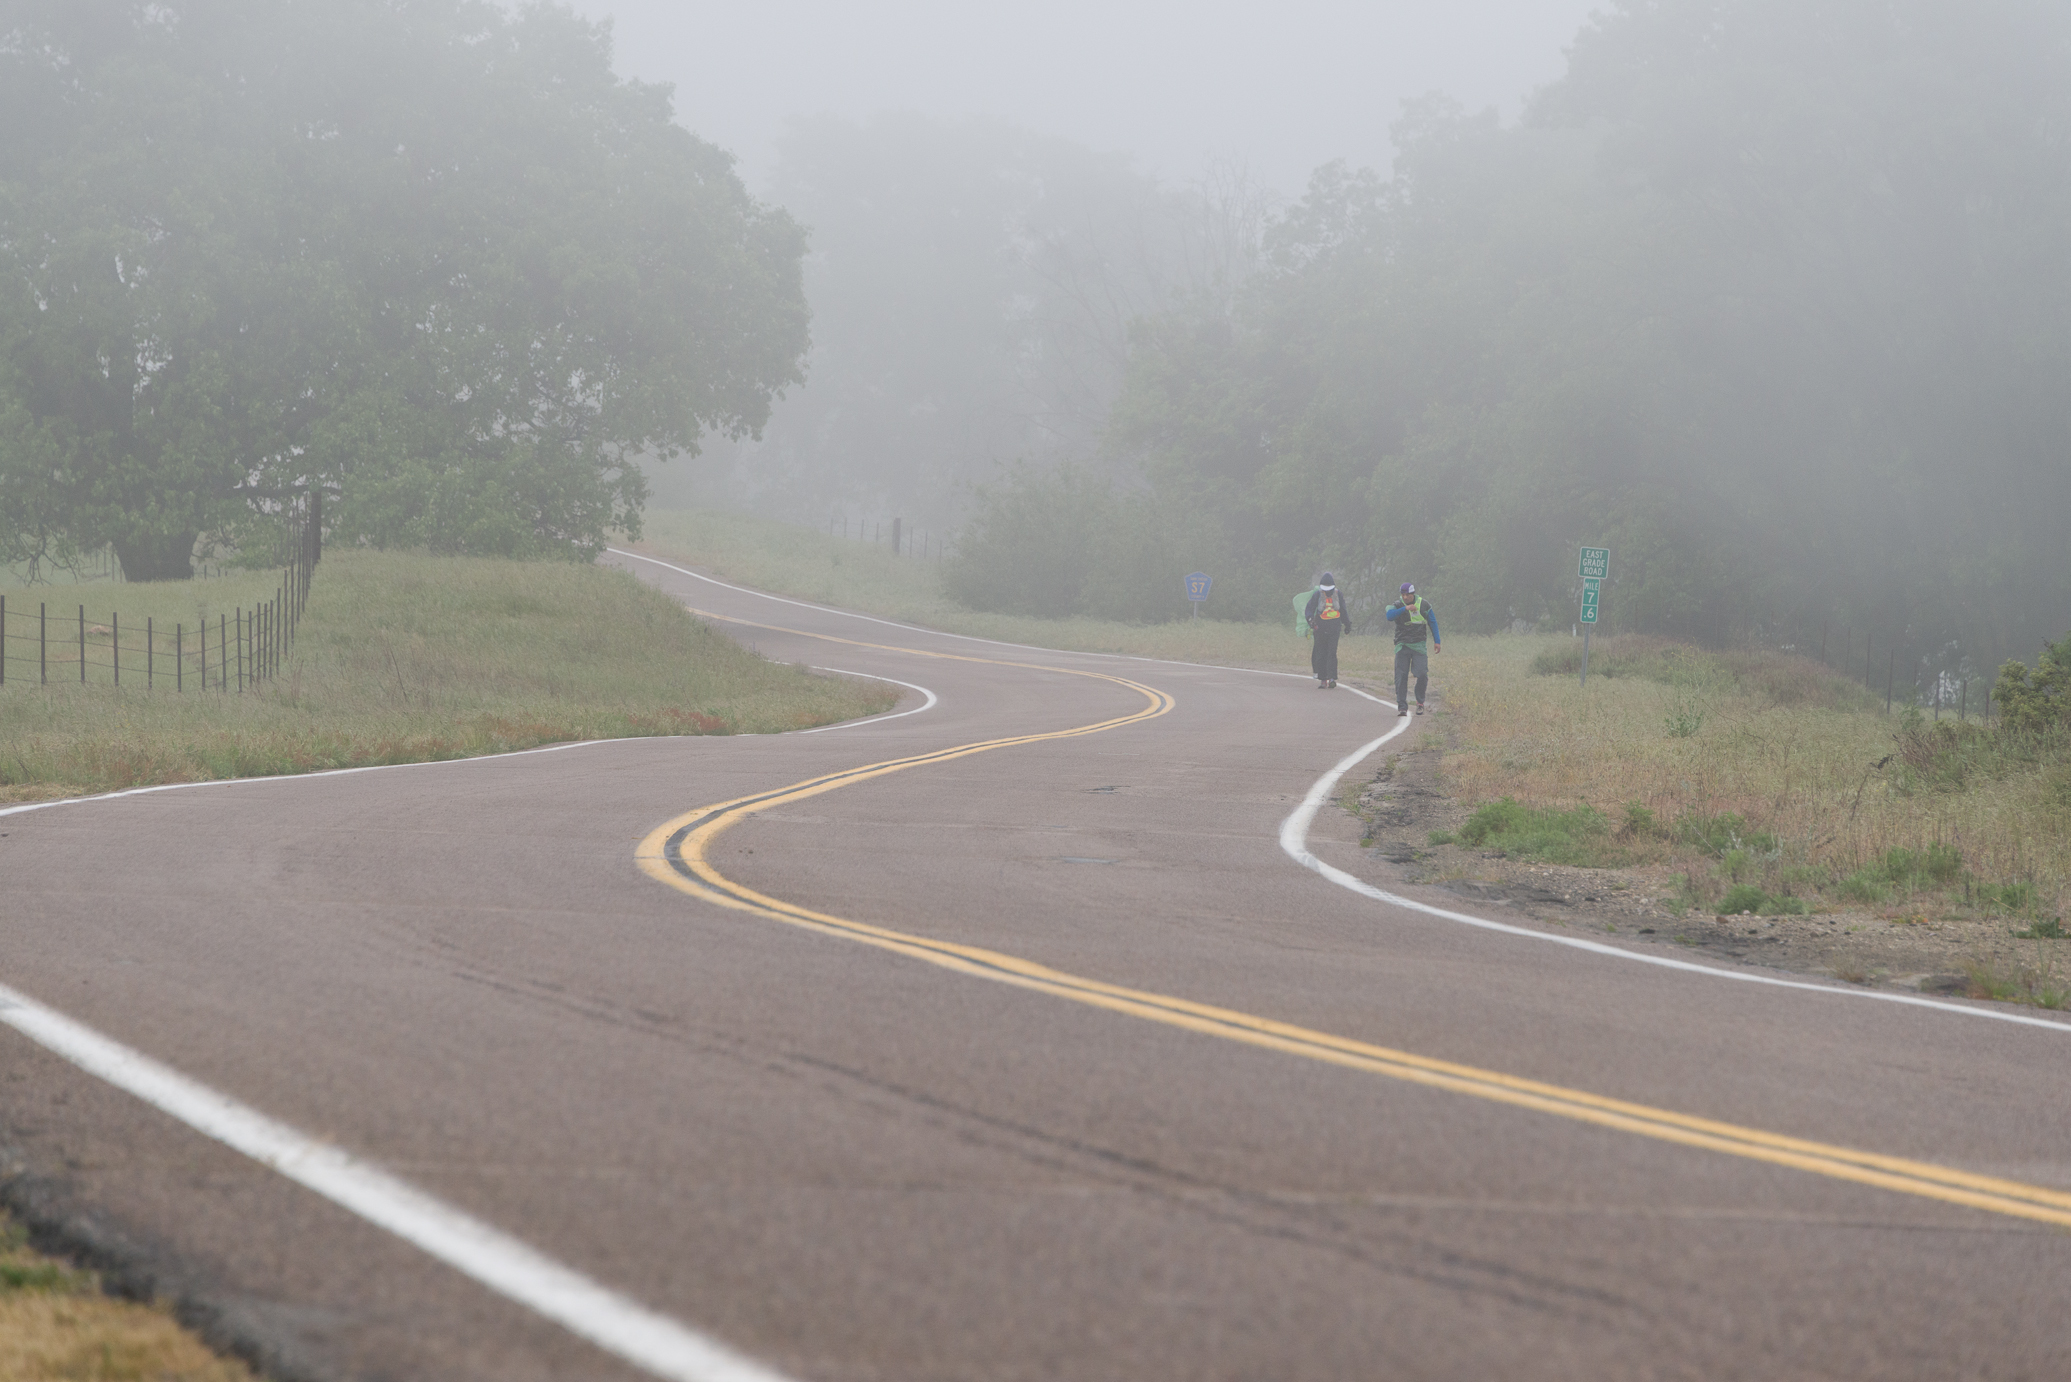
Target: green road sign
x,y
1589,597
1596,563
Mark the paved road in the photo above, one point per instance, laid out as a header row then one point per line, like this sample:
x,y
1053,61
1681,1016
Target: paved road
x,y
1041,1061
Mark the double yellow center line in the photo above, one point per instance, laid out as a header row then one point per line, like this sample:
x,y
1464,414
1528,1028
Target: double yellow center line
x,y
676,853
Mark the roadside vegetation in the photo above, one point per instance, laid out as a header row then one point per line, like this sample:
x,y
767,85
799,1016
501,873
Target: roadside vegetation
x,y
401,658
1776,785
57,1326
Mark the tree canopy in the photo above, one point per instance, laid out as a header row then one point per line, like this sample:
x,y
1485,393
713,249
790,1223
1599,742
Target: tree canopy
x,y
428,257
972,287
1769,296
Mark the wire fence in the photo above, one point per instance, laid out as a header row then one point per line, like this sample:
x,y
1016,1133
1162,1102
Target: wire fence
x,y
918,543
248,646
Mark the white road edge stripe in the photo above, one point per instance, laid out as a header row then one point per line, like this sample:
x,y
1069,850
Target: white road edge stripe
x,y
932,701
1294,831
613,1322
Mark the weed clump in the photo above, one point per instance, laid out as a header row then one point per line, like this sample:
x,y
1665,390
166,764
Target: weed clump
x,y
1578,836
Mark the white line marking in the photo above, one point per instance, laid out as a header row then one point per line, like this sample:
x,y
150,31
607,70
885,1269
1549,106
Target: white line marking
x,y
932,701
613,1322
1294,839
1294,831
326,772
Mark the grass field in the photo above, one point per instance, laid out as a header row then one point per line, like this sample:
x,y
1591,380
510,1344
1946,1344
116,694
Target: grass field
x,y
56,1326
399,658
1757,770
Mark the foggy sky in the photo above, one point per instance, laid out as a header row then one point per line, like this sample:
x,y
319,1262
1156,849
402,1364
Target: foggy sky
x,y
1277,88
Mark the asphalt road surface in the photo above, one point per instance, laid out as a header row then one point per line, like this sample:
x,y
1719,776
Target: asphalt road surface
x,y
999,1040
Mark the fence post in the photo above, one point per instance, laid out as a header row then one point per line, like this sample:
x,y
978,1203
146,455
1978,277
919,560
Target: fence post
x,y
179,657
204,654
240,649
82,645
43,643
222,652
115,642
150,652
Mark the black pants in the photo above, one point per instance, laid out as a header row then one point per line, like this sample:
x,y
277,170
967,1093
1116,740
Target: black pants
x,y
1410,659
1324,656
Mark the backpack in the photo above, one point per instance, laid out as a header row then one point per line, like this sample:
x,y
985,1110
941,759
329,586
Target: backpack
x,y
1330,606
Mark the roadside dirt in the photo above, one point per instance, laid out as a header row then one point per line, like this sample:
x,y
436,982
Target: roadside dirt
x,y
1919,947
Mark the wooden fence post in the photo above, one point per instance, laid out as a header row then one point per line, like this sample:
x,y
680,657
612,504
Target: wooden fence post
x,y
115,642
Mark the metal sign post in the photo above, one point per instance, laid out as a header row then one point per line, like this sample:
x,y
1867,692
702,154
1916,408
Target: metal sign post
x,y
1197,590
1594,568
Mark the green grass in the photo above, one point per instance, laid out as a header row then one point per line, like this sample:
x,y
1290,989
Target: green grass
x,y
404,658
1578,835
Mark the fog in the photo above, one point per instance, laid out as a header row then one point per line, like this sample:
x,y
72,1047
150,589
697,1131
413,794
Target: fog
x,y
1275,88
1769,297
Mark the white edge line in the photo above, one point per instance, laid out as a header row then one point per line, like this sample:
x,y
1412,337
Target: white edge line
x,y
326,772
1294,831
1294,839
932,701
613,1322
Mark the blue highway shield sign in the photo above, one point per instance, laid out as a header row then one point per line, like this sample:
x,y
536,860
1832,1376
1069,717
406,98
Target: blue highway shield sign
x,y
1197,586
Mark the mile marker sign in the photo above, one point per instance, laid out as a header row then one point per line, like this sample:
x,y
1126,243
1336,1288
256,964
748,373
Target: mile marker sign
x,y
1596,563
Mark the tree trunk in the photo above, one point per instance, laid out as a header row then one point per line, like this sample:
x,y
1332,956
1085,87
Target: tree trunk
x,y
157,557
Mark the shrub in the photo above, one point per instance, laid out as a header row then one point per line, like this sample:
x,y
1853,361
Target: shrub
x,y
1573,836
2039,702
1863,886
1746,897
1639,822
1717,835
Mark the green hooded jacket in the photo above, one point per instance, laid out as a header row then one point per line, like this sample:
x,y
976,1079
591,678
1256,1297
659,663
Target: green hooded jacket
x,y
1301,608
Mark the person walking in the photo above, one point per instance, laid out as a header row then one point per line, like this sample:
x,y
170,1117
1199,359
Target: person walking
x,y
1415,624
1325,614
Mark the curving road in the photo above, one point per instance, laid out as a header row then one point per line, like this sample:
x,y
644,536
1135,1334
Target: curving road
x,y
997,1038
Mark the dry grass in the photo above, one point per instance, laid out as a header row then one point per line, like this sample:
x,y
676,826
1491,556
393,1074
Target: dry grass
x,y
1787,746
55,1325
403,658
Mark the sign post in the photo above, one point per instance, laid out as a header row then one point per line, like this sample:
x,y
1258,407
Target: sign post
x,y
1594,568
1197,590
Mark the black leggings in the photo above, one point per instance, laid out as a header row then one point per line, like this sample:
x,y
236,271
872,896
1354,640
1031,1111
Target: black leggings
x,y
1324,656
